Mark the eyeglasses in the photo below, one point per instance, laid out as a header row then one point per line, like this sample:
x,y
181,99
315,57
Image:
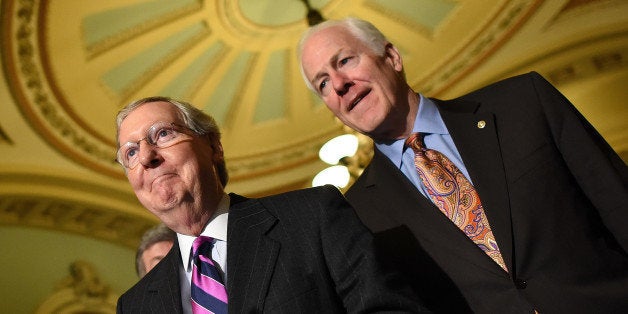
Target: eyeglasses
x,y
160,134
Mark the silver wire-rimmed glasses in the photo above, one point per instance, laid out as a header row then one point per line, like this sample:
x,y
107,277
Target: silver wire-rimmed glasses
x,y
160,134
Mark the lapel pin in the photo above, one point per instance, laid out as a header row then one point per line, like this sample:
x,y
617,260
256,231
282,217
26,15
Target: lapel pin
x,y
481,124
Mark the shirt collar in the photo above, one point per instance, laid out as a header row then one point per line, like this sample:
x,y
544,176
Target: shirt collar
x,y
215,228
427,120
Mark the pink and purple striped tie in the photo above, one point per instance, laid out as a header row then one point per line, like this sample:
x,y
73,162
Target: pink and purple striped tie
x,y
208,292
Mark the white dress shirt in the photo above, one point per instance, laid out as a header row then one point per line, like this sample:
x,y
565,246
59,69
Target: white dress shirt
x,y
216,228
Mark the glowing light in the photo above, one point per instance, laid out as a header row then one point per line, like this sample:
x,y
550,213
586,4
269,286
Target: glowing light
x,y
335,175
338,147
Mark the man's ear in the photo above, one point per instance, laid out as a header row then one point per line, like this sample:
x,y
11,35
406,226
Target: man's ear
x,y
217,147
393,55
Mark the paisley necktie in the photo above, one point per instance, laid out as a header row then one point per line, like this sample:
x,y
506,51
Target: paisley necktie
x,y
454,195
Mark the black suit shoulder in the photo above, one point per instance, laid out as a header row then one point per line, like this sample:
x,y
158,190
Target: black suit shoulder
x,y
305,200
325,257
158,291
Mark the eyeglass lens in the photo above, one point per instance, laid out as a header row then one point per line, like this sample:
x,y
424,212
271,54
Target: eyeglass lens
x,y
161,135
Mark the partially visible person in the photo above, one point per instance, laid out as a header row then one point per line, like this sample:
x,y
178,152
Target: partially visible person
x,y
504,200
155,244
304,251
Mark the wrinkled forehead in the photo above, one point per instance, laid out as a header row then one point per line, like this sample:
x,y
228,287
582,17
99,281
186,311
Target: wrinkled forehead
x,y
138,121
321,47
334,36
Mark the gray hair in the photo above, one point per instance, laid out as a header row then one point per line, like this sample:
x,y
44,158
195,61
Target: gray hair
x,y
159,233
193,118
363,30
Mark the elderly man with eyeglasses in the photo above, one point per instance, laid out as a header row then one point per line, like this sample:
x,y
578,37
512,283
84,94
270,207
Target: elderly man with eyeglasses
x,y
298,252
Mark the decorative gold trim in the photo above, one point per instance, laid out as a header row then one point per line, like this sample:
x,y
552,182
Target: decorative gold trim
x,y
42,103
33,94
509,19
71,216
82,291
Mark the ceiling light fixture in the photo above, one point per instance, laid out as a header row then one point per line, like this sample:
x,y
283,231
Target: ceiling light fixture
x,y
313,16
348,155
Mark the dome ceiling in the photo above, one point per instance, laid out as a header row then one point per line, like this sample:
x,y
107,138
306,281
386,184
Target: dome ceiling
x,y
235,60
69,66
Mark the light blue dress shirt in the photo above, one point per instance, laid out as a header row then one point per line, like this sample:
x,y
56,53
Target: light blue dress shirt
x,y
429,122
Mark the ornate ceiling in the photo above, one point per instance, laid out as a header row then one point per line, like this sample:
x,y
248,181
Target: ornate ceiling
x,y
68,66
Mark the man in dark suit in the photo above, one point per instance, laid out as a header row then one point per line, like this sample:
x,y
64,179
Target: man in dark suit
x,y
553,193
299,252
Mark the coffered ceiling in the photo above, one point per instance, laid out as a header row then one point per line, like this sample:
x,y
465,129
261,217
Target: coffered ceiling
x,y
68,66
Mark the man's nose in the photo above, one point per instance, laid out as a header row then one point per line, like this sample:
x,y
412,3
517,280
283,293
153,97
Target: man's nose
x,y
149,155
341,83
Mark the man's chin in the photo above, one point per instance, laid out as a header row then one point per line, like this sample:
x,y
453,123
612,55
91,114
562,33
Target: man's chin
x,y
160,205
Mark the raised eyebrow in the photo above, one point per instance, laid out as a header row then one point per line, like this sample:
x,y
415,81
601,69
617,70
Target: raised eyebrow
x,y
127,144
156,128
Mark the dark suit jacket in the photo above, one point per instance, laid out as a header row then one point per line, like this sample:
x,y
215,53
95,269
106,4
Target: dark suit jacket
x,y
555,195
300,252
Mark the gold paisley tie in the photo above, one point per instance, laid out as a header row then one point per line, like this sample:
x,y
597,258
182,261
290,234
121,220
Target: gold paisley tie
x,y
454,195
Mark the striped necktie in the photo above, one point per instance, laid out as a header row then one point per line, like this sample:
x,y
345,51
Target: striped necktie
x,y
207,290
454,195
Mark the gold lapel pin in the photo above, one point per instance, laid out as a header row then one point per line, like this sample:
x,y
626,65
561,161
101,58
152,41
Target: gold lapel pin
x,y
481,124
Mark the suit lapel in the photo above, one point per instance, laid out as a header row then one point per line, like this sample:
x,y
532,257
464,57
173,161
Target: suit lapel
x,y
164,291
475,134
383,182
251,255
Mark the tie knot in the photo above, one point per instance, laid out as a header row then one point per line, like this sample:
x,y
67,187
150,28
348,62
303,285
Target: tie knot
x,y
202,245
415,141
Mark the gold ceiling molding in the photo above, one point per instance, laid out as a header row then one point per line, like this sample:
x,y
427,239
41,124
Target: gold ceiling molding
x,y
401,19
69,80
129,93
237,101
92,210
74,217
279,159
82,291
508,19
243,28
4,138
37,85
608,52
116,39
589,66
579,7
35,97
